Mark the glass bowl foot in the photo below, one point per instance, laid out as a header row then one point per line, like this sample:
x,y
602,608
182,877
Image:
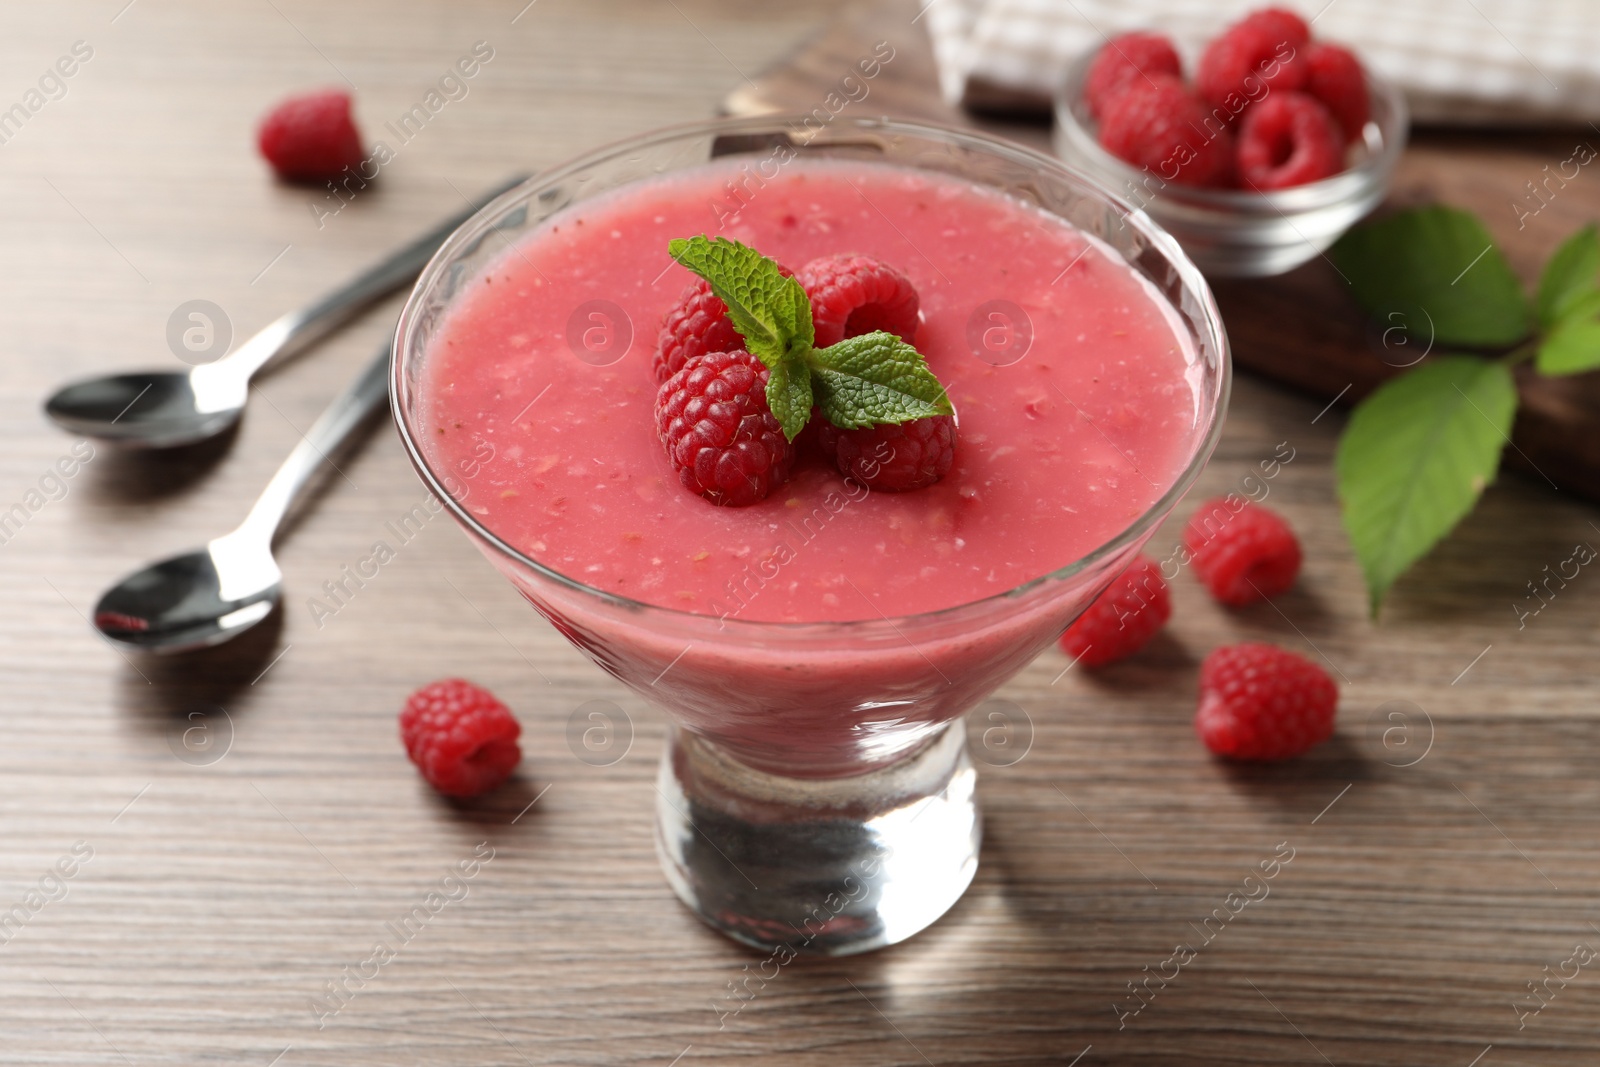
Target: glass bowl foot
x,y
829,866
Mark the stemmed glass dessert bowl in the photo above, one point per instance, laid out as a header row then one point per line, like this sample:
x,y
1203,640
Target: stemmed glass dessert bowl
x,y
816,793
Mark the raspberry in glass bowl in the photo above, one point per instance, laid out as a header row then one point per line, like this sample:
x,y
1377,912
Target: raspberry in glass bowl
x,y
1270,184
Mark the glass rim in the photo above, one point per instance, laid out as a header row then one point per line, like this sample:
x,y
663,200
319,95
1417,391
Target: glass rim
x,y
490,214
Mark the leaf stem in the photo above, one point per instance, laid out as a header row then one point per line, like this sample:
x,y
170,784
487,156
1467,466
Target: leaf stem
x,y
1523,352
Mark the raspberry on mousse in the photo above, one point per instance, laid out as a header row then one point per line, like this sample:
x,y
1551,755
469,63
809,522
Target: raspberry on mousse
x,y
698,323
719,433
852,295
713,412
889,457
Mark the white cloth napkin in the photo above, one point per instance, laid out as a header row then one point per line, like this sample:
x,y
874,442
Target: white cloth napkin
x,y
1459,61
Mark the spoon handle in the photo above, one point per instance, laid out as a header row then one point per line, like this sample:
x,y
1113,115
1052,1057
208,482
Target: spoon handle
x,y
299,328
337,422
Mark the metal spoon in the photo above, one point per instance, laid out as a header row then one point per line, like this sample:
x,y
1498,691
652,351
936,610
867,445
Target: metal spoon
x,y
164,409
211,595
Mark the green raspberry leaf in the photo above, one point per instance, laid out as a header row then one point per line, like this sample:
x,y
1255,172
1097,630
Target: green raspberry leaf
x,y
1415,458
1572,348
1435,265
771,312
1570,276
875,378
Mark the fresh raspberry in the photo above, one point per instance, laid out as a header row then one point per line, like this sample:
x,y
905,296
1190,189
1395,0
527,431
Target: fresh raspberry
x,y
852,295
698,323
1289,139
1338,80
1155,122
311,138
1122,619
892,458
461,738
1261,702
1247,64
1242,551
1281,24
718,431
1123,59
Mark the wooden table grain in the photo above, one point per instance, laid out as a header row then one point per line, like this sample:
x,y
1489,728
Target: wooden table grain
x,y
172,897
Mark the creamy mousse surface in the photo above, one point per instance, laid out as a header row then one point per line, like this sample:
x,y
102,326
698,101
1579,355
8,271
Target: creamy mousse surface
x,y
549,438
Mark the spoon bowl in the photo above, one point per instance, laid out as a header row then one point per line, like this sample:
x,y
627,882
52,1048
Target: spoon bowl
x,y
188,602
150,409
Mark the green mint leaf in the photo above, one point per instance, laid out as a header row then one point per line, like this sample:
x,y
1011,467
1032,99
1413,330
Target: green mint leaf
x,y
1434,265
1573,347
1415,457
1569,276
771,312
862,381
789,396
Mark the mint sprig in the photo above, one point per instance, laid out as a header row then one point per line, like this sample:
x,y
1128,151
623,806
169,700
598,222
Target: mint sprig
x,y
771,312
1419,451
861,381
875,378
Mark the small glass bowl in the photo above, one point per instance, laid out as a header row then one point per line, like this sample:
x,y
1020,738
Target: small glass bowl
x,y
1232,233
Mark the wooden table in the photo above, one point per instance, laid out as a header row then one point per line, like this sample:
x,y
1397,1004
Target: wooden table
x,y
214,896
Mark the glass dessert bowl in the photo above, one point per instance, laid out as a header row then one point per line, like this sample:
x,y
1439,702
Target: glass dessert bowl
x,y
816,793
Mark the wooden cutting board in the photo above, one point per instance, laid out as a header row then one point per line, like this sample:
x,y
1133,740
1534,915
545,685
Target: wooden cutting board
x,y
1301,329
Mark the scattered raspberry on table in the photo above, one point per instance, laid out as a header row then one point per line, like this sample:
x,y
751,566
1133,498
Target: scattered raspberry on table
x,y
461,738
1260,702
719,433
1243,552
1121,620
311,137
